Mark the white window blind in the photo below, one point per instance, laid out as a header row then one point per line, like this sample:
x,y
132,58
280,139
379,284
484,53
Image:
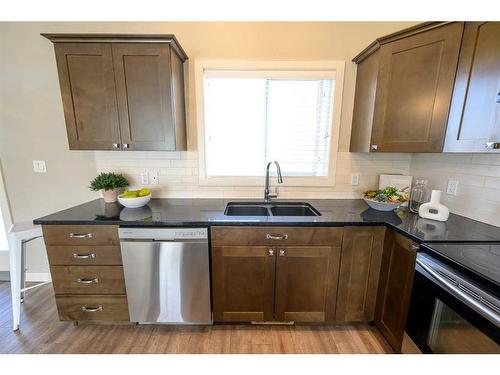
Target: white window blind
x,y
252,117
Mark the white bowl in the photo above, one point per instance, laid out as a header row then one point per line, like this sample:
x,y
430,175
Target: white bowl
x,y
134,202
382,206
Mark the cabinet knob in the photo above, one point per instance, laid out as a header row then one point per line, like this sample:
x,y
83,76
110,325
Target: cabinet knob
x,y
282,252
414,247
270,252
116,145
126,145
498,97
374,148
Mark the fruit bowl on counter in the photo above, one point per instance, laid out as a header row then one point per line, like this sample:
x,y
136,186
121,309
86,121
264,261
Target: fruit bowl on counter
x,y
135,198
386,199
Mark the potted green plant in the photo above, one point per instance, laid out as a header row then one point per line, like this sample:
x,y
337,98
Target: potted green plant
x,y
110,184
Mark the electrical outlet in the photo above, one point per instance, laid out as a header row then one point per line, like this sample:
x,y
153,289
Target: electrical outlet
x,y
452,187
39,166
355,179
154,177
144,179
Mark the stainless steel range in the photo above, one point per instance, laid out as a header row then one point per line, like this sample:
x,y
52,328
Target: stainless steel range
x,y
455,303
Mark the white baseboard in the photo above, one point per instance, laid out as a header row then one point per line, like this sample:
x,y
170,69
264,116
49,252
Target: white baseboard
x,y
38,276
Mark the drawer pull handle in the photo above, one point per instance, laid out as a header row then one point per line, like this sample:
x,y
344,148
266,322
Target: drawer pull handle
x,y
80,235
282,252
84,256
95,280
274,237
92,309
414,247
270,252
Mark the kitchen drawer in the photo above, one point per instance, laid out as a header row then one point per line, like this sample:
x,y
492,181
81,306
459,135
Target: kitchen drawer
x,y
276,236
80,234
111,308
88,279
84,255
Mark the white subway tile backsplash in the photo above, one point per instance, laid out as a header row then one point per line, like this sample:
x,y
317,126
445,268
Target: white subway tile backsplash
x,y
478,195
179,173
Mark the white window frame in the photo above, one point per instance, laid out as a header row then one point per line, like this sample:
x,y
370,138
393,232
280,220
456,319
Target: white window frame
x,y
337,66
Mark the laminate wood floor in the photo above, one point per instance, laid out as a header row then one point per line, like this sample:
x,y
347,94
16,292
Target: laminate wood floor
x,y
42,332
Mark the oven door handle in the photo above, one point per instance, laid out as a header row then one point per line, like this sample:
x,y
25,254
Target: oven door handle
x,y
474,304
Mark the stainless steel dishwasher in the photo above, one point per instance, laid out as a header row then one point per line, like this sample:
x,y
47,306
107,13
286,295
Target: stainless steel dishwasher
x,y
166,274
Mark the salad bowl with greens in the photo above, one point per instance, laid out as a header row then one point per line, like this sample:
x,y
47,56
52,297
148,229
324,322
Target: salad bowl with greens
x,y
386,199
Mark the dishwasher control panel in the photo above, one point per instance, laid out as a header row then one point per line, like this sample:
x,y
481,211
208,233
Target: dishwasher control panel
x,y
163,234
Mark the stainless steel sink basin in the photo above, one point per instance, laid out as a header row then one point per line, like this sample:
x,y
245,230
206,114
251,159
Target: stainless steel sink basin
x,y
270,209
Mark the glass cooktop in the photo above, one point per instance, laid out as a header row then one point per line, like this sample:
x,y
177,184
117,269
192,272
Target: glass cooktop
x,y
482,259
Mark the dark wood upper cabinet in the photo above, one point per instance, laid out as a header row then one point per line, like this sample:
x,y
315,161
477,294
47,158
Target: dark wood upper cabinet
x,y
88,93
359,273
394,289
404,88
474,121
122,92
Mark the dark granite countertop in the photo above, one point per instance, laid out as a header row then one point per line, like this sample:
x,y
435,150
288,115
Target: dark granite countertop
x,y
334,212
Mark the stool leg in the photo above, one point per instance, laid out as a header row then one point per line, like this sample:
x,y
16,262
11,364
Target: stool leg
x,y
23,269
15,249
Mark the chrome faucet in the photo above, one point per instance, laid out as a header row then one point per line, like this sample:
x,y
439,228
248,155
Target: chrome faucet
x,y
267,194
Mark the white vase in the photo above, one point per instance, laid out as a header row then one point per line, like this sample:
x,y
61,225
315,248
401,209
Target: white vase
x,y
110,195
434,210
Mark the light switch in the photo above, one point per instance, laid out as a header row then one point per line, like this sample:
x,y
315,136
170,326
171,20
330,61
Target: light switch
x,y
39,166
144,179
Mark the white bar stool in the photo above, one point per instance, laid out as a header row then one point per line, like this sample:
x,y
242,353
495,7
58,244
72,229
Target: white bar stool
x,y
19,234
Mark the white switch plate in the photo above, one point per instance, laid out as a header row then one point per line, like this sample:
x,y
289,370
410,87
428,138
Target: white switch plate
x,y
154,178
355,179
144,179
39,166
452,187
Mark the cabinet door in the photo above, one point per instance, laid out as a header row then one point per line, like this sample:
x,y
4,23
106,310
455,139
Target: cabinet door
x,y
475,110
414,90
306,283
143,86
243,283
359,273
394,291
88,94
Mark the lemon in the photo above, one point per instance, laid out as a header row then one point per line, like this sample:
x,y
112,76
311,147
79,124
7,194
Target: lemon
x,y
144,192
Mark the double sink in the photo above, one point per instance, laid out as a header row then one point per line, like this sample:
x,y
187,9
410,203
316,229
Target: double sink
x,y
270,209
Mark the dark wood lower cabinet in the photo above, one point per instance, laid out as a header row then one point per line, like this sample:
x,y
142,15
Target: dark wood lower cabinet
x,y
359,273
395,284
306,283
277,282
243,283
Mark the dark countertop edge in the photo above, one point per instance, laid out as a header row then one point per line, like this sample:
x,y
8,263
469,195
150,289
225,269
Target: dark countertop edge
x,y
193,224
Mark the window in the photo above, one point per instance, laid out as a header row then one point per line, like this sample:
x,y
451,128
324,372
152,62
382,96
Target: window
x,y
252,116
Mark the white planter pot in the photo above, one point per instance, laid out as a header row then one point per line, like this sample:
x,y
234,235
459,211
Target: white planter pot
x,y
110,195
